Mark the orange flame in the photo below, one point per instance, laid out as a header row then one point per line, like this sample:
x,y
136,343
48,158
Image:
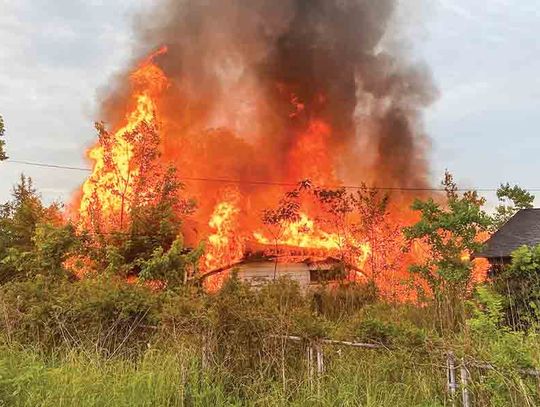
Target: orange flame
x,y
305,233
223,246
114,170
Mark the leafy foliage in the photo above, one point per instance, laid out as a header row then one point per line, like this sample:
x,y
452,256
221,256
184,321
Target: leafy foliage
x,y
487,311
108,317
173,267
374,226
519,284
512,200
287,211
154,223
147,225
390,334
232,341
26,226
495,341
343,300
450,234
105,315
357,219
52,247
35,240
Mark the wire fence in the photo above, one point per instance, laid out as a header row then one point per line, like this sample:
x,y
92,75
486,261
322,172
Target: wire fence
x,y
458,370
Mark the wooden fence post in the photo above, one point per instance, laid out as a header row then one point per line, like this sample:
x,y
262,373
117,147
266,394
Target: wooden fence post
x,y
451,375
310,364
320,359
320,365
465,384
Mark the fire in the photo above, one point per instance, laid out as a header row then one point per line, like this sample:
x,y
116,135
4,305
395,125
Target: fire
x,y
224,247
309,155
305,233
190,127
115,170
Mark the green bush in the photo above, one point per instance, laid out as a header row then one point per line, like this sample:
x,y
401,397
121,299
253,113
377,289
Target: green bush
x,y
519,286
493,340
104,342
107,315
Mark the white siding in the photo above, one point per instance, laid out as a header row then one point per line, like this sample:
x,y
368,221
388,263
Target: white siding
x,y
263,272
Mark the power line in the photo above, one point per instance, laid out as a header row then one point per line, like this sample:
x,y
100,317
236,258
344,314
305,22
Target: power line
x,y
268,183
61,167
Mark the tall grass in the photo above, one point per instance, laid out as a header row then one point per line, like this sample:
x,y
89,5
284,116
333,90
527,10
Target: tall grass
x,y
173,377
79,379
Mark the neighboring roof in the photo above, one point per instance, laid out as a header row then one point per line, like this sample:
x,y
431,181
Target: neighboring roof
x,y
523,229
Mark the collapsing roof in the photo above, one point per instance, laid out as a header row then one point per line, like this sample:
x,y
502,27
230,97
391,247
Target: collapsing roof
x,y
523,229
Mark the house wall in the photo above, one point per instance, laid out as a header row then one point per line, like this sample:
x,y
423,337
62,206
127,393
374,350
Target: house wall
x,y
263,272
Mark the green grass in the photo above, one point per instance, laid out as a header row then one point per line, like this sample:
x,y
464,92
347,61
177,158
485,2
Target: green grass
x,y
173,377
79,379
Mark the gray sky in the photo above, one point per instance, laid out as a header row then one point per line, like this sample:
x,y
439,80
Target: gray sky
x,y
485,57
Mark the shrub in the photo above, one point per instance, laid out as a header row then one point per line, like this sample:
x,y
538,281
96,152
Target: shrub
x,y
109,316
492,339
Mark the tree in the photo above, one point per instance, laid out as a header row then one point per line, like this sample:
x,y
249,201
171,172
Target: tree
x,y
122,180
3,155
20,216
153,228
337,205
512,199
134,210
172,267
374,226
450,234
52,245
31,235
155,221
363,236
362,222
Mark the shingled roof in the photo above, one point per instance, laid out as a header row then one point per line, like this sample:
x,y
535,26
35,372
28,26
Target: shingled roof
x,y
523,229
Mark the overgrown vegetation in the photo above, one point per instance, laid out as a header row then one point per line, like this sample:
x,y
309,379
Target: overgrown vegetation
x,y
99,319
519,285
102,342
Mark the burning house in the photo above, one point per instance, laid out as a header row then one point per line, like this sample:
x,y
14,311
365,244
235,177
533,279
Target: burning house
x,y
308,268
246,99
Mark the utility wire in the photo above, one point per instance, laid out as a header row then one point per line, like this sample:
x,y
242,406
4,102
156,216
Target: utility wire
x,y
269,183
61,167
